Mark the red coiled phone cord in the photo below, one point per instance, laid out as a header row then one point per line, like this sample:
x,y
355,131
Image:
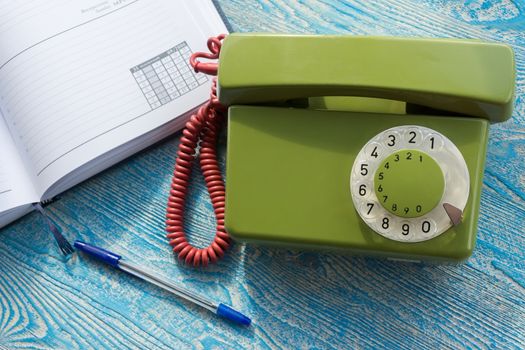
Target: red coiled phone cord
x,y
202,130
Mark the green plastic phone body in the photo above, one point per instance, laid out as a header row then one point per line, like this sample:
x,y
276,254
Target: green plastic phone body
x,y
289,168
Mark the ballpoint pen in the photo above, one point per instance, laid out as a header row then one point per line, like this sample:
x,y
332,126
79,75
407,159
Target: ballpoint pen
x,y
116,260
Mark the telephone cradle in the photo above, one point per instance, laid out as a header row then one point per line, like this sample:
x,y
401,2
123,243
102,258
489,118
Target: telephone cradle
x,y
371,145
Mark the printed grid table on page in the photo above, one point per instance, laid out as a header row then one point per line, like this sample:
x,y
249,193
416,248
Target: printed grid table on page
x,y
167,76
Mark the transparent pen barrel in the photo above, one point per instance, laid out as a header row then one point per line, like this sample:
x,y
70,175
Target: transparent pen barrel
x,y
167,285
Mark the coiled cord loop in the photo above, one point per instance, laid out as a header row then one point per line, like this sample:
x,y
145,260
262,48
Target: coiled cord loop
x,y
199,140
210,68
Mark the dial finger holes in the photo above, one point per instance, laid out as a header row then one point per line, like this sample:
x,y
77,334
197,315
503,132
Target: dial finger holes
x,y
392,140
401,178
369,209
413,137
426,227
363,169
406,230
364,190
385,223
374,151
433,143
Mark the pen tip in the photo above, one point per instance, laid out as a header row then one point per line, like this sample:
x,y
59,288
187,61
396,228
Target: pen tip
x,y
233,315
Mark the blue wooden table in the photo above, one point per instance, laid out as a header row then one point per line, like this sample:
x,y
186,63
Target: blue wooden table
x,y
297,299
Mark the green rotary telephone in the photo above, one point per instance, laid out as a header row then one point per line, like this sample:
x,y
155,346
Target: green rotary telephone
x,y
366,144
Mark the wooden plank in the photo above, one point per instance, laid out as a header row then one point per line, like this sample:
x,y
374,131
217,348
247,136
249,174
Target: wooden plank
x,y
296,299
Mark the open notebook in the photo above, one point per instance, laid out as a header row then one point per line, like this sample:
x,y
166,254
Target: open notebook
x,y
84,84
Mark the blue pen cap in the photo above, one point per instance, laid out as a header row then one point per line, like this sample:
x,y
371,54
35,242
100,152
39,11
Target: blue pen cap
x,y
233,315
99,253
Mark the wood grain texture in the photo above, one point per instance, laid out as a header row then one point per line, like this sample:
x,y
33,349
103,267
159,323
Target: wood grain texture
x,y
296,299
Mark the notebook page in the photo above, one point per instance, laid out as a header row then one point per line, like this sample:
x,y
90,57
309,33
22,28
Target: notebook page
x,y
93,75
16,188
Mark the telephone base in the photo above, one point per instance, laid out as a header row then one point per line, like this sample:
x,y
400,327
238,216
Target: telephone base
x,y
287,179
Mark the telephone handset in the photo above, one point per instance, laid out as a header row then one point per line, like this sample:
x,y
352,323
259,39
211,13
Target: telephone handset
x,y
395,169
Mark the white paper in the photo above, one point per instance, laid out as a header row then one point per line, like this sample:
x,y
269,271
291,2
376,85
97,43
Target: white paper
x,y
67,88
16,188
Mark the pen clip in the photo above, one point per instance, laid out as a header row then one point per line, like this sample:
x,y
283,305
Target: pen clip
x,y
99,253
